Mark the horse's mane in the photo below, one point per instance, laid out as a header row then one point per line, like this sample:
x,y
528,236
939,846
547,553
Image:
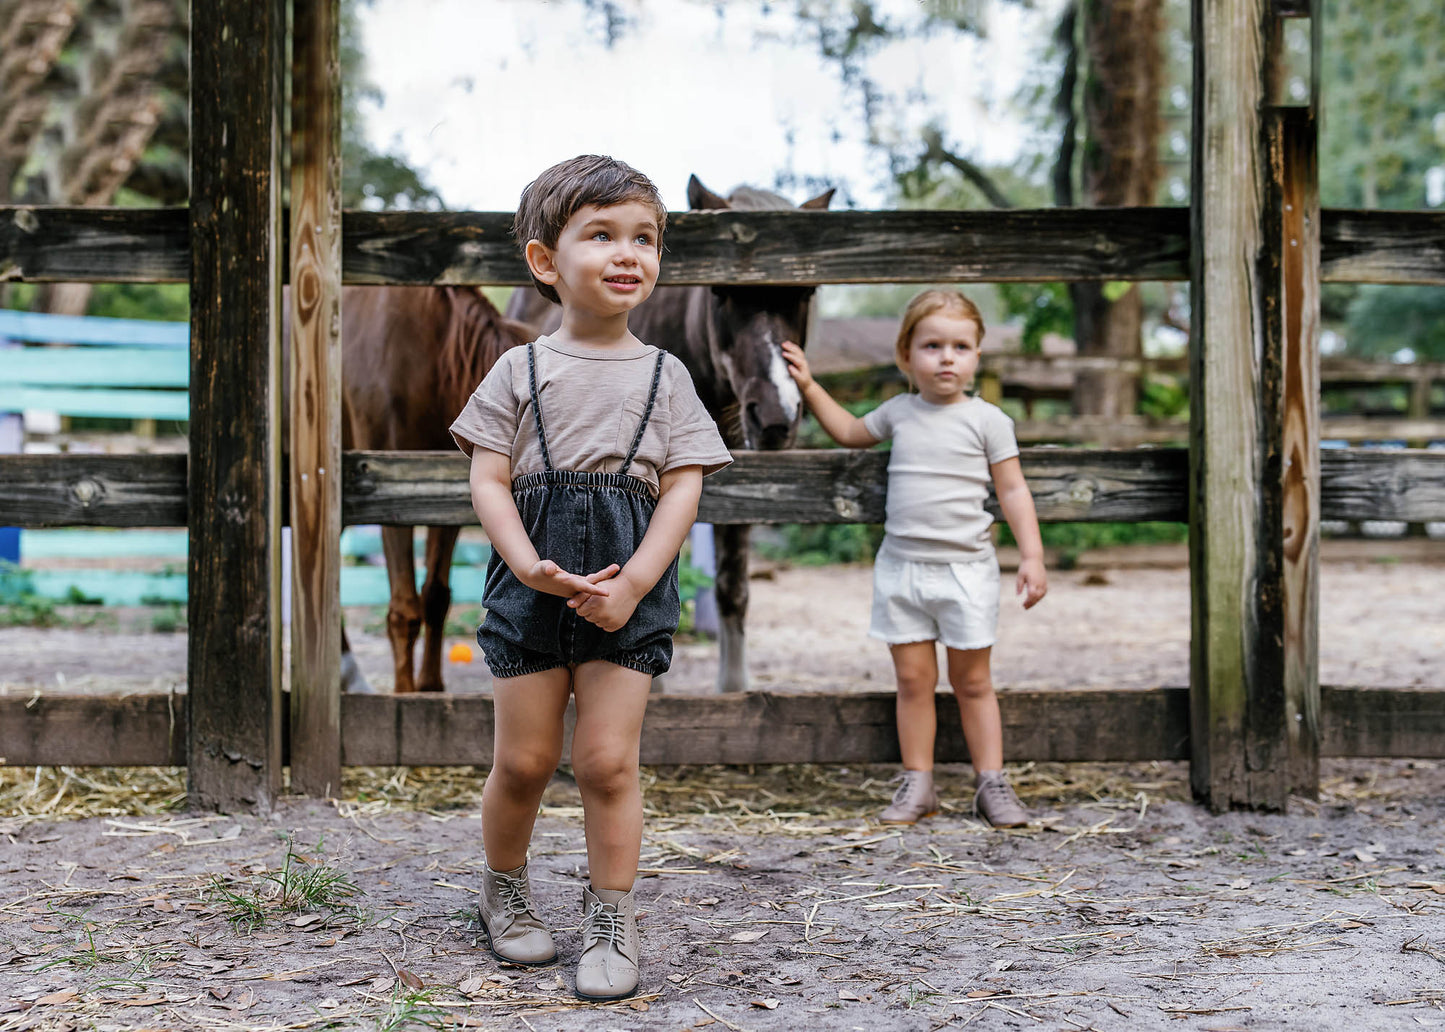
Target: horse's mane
x,y
476,335
751,198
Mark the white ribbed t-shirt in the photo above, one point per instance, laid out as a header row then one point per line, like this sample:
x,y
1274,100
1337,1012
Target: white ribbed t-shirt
x,y
938,475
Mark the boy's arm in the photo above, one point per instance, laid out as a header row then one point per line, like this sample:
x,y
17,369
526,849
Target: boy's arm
x,y
491,483
1018,508
678,493
840,424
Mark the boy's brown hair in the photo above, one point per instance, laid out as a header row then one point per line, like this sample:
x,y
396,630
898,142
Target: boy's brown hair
x,y
565,188
924,305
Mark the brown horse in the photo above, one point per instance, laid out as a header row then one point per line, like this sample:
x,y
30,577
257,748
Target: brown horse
x,y
411,356
729,338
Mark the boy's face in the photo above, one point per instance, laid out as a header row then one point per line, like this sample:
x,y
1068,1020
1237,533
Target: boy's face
x,y
606,259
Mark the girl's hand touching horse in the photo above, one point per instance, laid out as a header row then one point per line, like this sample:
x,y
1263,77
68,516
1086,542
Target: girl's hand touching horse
x,y
797,365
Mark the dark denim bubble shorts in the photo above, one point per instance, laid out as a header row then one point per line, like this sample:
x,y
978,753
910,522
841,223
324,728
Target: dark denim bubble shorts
x,y
584,522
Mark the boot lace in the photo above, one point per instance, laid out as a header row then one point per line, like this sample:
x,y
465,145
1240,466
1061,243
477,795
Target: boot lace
x,y
908,780
604,924
992,793
513,893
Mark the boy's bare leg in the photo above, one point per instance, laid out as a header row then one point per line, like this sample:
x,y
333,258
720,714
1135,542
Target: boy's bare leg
x,y
972,682
606,743
528,733
915,664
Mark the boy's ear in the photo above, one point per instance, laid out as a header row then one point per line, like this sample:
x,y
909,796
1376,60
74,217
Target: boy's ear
x,y
539,261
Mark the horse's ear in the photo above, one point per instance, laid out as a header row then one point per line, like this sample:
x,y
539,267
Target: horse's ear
x,y
700,198
821,201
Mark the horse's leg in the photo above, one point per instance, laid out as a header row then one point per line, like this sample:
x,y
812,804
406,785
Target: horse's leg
x,y
731,589
436,598
403,615
352,679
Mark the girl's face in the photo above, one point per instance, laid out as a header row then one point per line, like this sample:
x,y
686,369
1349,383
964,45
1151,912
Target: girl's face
x,y
943,356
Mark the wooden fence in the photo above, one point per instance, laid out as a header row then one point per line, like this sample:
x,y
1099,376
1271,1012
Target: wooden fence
x,y
1252,483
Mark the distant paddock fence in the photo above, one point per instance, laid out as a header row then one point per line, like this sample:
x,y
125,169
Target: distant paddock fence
x,y
1253,482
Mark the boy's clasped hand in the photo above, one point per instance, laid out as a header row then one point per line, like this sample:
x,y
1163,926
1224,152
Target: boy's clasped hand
x,y
606,598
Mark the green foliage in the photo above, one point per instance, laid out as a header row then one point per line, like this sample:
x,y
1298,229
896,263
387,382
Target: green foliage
x,y
163,301
1383,320
1043,308
821,544
19,605
1164,397
1073,539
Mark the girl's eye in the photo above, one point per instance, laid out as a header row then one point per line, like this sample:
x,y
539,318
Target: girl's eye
x,y
601,234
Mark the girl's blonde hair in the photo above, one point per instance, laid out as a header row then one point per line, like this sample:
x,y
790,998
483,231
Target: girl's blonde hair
x,y
924,305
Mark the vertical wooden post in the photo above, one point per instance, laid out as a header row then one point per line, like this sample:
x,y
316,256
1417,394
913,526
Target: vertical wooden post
x,y
1295,208
1294,337
234,663
315,398
1238,734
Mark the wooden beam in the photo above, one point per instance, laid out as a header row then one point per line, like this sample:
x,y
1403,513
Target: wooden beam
x,y
411,488
756,727
315,398
44,244
1294,207
234,748
1240,748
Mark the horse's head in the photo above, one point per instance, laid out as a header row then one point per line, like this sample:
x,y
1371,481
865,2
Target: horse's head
x,y
749,325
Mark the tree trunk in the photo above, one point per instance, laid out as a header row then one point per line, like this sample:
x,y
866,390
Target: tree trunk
x,y
1124,71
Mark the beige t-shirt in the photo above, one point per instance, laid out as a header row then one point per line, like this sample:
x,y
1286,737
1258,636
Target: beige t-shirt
x,y
938,475
592,403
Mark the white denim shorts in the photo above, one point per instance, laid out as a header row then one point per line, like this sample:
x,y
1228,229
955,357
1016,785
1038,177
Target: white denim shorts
x,y
955,603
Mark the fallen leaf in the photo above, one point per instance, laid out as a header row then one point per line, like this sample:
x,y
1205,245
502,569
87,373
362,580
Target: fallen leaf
x,y
44,928
62,996
142,1001
329,1004
307,920
471,985
1240,883
409,980
710,901
245,1001
1354,924
844,994
747,936
1363,857
220,993
768,1004
640,1005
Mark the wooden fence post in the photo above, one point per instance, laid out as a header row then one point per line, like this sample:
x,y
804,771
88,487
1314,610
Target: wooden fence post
x,y
315,399
234,664
1238,736
1293,349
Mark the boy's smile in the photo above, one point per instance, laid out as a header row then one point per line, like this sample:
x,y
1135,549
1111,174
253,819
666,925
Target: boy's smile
x,y
943,355
606,260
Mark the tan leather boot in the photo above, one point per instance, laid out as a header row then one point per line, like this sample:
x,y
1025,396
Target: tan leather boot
x,y
914,800
607,969
515,932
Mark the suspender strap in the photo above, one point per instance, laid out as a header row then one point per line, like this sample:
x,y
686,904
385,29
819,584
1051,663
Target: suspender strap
x,y
646,413
537,405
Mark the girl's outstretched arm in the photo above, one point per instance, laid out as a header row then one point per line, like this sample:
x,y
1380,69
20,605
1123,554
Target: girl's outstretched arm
x,y
678,493
491,483
840,424
1018,508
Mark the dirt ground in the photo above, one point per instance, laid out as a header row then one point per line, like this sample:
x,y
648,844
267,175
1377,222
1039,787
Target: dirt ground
x,y
771,899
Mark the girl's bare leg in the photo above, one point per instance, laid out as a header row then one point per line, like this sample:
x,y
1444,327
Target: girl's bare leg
x,y
915,664
605,749
528,737
972,682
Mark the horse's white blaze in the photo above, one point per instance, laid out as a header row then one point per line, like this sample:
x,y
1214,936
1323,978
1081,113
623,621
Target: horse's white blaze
x,y
789,397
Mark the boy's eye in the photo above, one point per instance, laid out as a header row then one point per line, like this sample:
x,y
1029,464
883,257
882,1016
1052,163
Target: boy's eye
x,y
644,239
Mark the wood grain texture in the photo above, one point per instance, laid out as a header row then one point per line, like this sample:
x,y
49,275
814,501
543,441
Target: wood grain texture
x,y
1294,197
314,472
1238,738
430,487
234,748
44,244
756,727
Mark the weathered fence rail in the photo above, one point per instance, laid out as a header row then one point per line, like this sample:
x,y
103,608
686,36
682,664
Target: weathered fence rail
x,y
756,727
59,244
805,486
